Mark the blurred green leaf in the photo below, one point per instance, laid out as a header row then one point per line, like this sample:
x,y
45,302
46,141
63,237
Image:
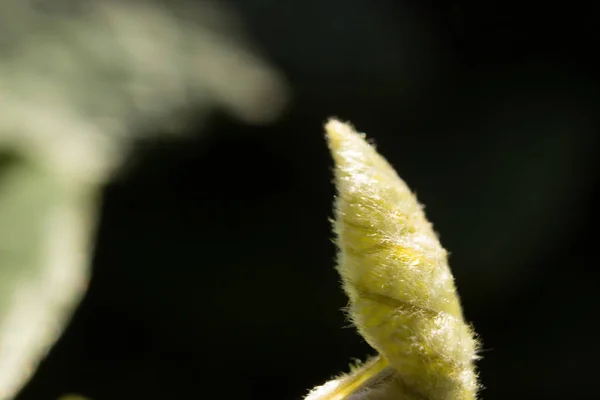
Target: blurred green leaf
x,y
78,82
45,226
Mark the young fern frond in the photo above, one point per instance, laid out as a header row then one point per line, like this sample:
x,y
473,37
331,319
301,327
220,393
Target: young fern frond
x,y
402,295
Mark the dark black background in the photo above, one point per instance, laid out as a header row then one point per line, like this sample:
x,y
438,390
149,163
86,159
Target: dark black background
x,y
213,272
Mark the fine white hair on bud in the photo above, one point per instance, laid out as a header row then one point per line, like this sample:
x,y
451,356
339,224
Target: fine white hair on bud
x,y
403,300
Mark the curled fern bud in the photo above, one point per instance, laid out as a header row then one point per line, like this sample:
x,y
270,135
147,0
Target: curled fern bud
x,y
402,294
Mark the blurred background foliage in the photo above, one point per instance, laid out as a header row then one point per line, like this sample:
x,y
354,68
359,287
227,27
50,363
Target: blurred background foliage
x,y
212,269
